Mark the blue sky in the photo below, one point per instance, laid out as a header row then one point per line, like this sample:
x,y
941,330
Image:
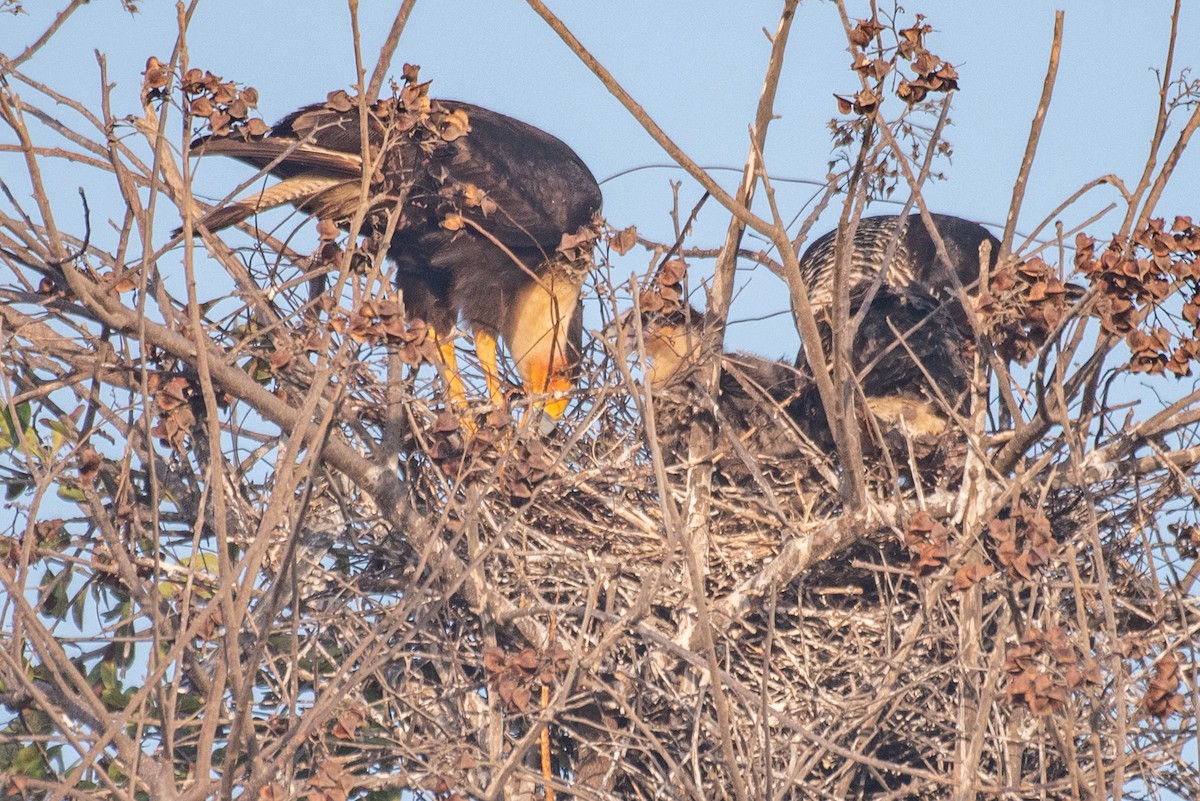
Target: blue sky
x,y
696,66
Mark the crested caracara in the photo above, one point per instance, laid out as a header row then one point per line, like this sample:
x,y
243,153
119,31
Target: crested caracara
x,y
912,383
483,216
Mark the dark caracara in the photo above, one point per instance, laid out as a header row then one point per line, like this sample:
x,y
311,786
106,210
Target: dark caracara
x,y
475,207
914,263
916,328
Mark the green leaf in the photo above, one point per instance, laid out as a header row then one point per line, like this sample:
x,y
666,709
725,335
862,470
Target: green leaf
x,y
188,704
114,699
59,434
78,608
14,489
207,568
72,494
108,675
54,602
28,762
37,722
10,434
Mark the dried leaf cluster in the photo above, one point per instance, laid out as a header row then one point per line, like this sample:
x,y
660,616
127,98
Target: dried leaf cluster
x,y
1023,303
667,292
1023,541
931,73
515,676
927,539
1045,668
1133,279
222,104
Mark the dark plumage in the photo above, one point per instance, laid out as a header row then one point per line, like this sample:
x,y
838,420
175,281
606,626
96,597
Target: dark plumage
x,y
915,262
475,204
917,293
907,356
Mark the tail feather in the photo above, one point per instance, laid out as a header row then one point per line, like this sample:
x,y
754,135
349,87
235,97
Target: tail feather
x,y
292,158
298,191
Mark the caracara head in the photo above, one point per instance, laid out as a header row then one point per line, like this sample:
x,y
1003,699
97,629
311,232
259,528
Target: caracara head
x,y
670,342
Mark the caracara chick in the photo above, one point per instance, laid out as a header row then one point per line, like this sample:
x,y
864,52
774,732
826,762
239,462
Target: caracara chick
x,y
756,401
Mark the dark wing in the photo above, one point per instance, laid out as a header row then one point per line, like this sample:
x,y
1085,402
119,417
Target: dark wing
x,y
905,337
285,156
536,188
747,379
316,175
870,245
541,188
914,261
904,330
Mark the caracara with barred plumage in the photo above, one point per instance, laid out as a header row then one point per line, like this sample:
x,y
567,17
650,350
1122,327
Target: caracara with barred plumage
x,y
488,220
914,260
908,352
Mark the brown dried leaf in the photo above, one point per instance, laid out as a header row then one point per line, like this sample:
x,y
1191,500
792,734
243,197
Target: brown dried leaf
x,y
623,241
347,723
526,658
454,125
1161,698
866,101
446,423
202,107
865,31
89,464
969,575
279,359
520,699
925,64
672,272
909,92
493,658
193,81
256,127
156,75
339,100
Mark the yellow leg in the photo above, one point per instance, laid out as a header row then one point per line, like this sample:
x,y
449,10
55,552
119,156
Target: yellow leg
x,y
454,384
485,348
